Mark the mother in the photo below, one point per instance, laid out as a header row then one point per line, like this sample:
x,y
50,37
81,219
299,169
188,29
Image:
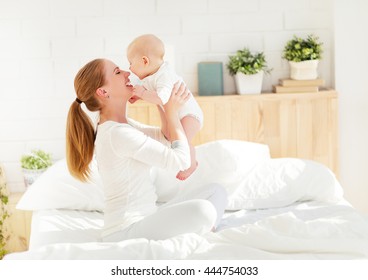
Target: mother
x,y
125,152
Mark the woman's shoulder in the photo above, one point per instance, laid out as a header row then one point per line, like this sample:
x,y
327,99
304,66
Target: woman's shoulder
x,y
116,133
121,138
136,124
132,126
112,127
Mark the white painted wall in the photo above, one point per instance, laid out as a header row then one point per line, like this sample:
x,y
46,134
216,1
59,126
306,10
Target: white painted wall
x,y
45,42
351,58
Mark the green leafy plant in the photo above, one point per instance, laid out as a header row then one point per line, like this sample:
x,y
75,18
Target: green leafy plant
x,y
4,214
299,49
36,160
246,62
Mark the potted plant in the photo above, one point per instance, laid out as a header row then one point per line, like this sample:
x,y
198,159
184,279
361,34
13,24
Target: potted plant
x,y
34,164
248,69
303,56
4,214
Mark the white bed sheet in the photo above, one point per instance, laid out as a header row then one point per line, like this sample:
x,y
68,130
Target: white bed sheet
x,y
64,226
308,230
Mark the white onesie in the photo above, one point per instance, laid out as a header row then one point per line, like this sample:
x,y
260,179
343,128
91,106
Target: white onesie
x,y
163,81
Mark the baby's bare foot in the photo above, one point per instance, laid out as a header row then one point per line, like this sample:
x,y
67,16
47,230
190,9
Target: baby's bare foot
x,y
183,175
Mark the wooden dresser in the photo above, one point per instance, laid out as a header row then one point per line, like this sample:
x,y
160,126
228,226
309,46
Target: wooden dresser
x,y
301,125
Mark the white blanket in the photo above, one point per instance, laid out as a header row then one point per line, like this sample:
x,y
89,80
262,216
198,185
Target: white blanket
x,y
283,208
307,230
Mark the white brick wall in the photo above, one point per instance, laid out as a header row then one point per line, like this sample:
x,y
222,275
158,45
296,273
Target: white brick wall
x,y
45,42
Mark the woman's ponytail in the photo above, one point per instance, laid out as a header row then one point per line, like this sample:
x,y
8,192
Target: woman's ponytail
x,y
80,137
80,134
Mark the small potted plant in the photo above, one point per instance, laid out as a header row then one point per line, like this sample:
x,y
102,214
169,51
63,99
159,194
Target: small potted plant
x,y
248,69
34,164
303,56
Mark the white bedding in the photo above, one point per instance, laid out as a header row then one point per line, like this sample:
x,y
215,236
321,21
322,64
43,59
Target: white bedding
x,y
306,230
283,208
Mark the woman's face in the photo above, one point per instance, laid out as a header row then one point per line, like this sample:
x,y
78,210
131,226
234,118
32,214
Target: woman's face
x,y
117,81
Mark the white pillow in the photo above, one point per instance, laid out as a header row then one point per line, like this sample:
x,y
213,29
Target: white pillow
x,y
283,181
57,189
221,161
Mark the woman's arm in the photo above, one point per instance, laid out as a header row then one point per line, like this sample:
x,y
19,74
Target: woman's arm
x,y
130,142
164,128
151,131
141,147
179,95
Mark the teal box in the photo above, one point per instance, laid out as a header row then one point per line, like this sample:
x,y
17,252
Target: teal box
x,y
210,78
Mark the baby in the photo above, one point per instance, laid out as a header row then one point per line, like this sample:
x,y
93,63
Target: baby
x,y
145,55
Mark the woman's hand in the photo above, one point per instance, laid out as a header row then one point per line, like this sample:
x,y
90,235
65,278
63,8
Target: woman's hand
x,y
173,129
179,95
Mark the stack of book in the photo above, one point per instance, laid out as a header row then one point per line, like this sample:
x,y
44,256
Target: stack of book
x,y
210,78
287,85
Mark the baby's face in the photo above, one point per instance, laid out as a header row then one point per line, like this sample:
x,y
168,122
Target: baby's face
x,y
137,65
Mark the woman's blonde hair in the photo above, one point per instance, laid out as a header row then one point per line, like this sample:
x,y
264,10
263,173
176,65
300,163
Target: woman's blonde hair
x,y
80,134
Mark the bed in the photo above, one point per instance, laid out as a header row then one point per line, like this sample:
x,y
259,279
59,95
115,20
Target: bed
x,y
284,202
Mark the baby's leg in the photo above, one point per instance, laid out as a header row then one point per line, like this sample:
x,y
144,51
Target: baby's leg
x,y
191,127
184,174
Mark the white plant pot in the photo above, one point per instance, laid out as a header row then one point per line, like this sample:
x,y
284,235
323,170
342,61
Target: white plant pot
x,y
30,175
249,84
304,70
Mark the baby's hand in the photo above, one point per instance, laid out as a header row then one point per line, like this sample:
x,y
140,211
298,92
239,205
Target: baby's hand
x,y
139,90
147,95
